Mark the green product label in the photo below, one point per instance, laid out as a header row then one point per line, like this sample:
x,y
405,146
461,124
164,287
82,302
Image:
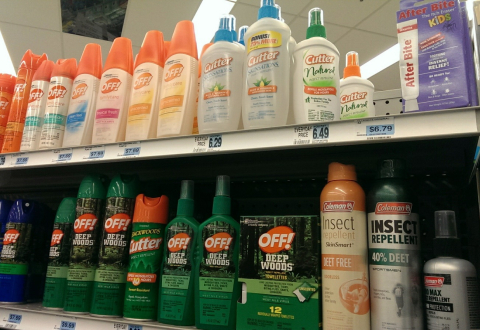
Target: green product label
x,y
108,298
33,121
54,118
55,287
215,311
57,272
172,305
142,285
17,248
61,245
78,296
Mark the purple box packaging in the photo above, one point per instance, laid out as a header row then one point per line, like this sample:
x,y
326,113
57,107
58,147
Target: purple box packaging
x,y
434,65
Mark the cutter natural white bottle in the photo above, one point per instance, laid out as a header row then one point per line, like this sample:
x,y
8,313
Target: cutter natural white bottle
x,y
267,70
81,111
180,83
316,87
220,98
112,101
58,100
195,112
356,93
145,92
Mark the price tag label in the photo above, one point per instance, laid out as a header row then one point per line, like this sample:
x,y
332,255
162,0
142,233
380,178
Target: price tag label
x,y
134,327
129,150
2,160
376,128
67,325
302,135
207,143
94,153
62,155
120,326
15,318
19,159
320,133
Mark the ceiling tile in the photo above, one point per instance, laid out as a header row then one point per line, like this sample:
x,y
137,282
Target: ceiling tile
x,y
19,38
44,14
299,30
387,79
288,6
382,21
73,46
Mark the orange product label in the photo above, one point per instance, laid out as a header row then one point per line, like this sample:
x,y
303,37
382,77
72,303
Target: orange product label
x,y
13,128
222,93
343,262
5,103
276,239
57,236
171,101
2,132
85,222
218,242
139,278
173,72
117,223
139,109
264,89
142,80
178,242
320,90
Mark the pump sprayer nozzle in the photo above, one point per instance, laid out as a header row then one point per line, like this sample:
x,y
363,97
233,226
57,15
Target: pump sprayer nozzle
x,y
241,33
352,67
445,224
315,24
223,186
224,33
186,189
267,9
279,12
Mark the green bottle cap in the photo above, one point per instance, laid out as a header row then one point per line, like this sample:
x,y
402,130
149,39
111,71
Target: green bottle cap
x,y
66,210
391,168
123,186
221,201
315,24
92,186
185,203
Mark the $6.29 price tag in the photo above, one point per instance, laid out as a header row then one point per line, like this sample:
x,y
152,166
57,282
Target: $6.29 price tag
x,y
207,143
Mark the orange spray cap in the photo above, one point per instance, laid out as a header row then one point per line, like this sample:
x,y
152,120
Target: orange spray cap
x,y
31,60
7,83
65,68
339,172
204,49
149,209
352,67
183,40
152,49
120,55
91,61
166,48
44,71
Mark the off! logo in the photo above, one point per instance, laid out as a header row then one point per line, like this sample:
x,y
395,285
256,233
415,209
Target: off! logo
x,y
10,236
35,94
80,90
276,239
4,103
393,208
142,80
338,206
57,91
178,242
353,97
20,86
111,85
218,242
174,72
57,236
118,222
434,281
85,222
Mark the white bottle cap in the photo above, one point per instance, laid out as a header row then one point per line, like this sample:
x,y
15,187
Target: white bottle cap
x,y
411,105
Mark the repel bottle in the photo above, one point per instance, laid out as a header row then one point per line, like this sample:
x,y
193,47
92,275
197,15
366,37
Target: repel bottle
x,y
7,86
149,220
86,234
216,288
81,111
111,274
177,280
346,301
59,256
112,101
18,111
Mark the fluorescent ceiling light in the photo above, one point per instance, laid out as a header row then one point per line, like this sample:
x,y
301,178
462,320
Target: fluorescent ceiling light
x,y
6,65
381,62
207,18
469,5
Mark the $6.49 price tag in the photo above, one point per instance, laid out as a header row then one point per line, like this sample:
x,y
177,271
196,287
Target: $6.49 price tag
x,y
311,134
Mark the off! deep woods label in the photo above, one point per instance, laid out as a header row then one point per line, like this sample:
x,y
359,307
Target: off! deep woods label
x,y
17,248
279,269
217,273
176,271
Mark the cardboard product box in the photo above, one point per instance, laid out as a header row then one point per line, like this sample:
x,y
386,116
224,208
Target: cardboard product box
x,y
280,273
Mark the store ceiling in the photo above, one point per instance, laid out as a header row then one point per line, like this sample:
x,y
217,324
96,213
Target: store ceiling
x,y
367,26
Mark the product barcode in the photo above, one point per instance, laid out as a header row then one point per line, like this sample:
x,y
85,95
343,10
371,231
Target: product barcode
x,y
119,326
10,326
301,142
2,160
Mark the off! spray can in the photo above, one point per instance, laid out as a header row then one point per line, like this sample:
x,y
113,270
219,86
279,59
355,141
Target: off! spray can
x,y
87,231
394,251
59,255
146,248
17,250
5,206
111,274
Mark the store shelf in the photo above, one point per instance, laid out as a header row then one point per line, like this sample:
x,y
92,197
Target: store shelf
x,y
35,317
401,127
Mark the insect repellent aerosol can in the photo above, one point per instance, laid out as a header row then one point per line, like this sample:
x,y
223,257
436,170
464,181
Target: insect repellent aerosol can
x,y
85,245
149,220
111,274
59,255
394,251
5,206
17,250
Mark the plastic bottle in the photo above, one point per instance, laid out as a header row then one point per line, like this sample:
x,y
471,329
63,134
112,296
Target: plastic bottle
x,y
112,101
145,92
18,244
267,70
216,285
18,111
356,93
87,231
59,256
317,63
149,220
166,47
5,206
452,296
195,113
220,98
394,249
180,83
36,106
81,111
177,282
346,301
7,86
241,34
